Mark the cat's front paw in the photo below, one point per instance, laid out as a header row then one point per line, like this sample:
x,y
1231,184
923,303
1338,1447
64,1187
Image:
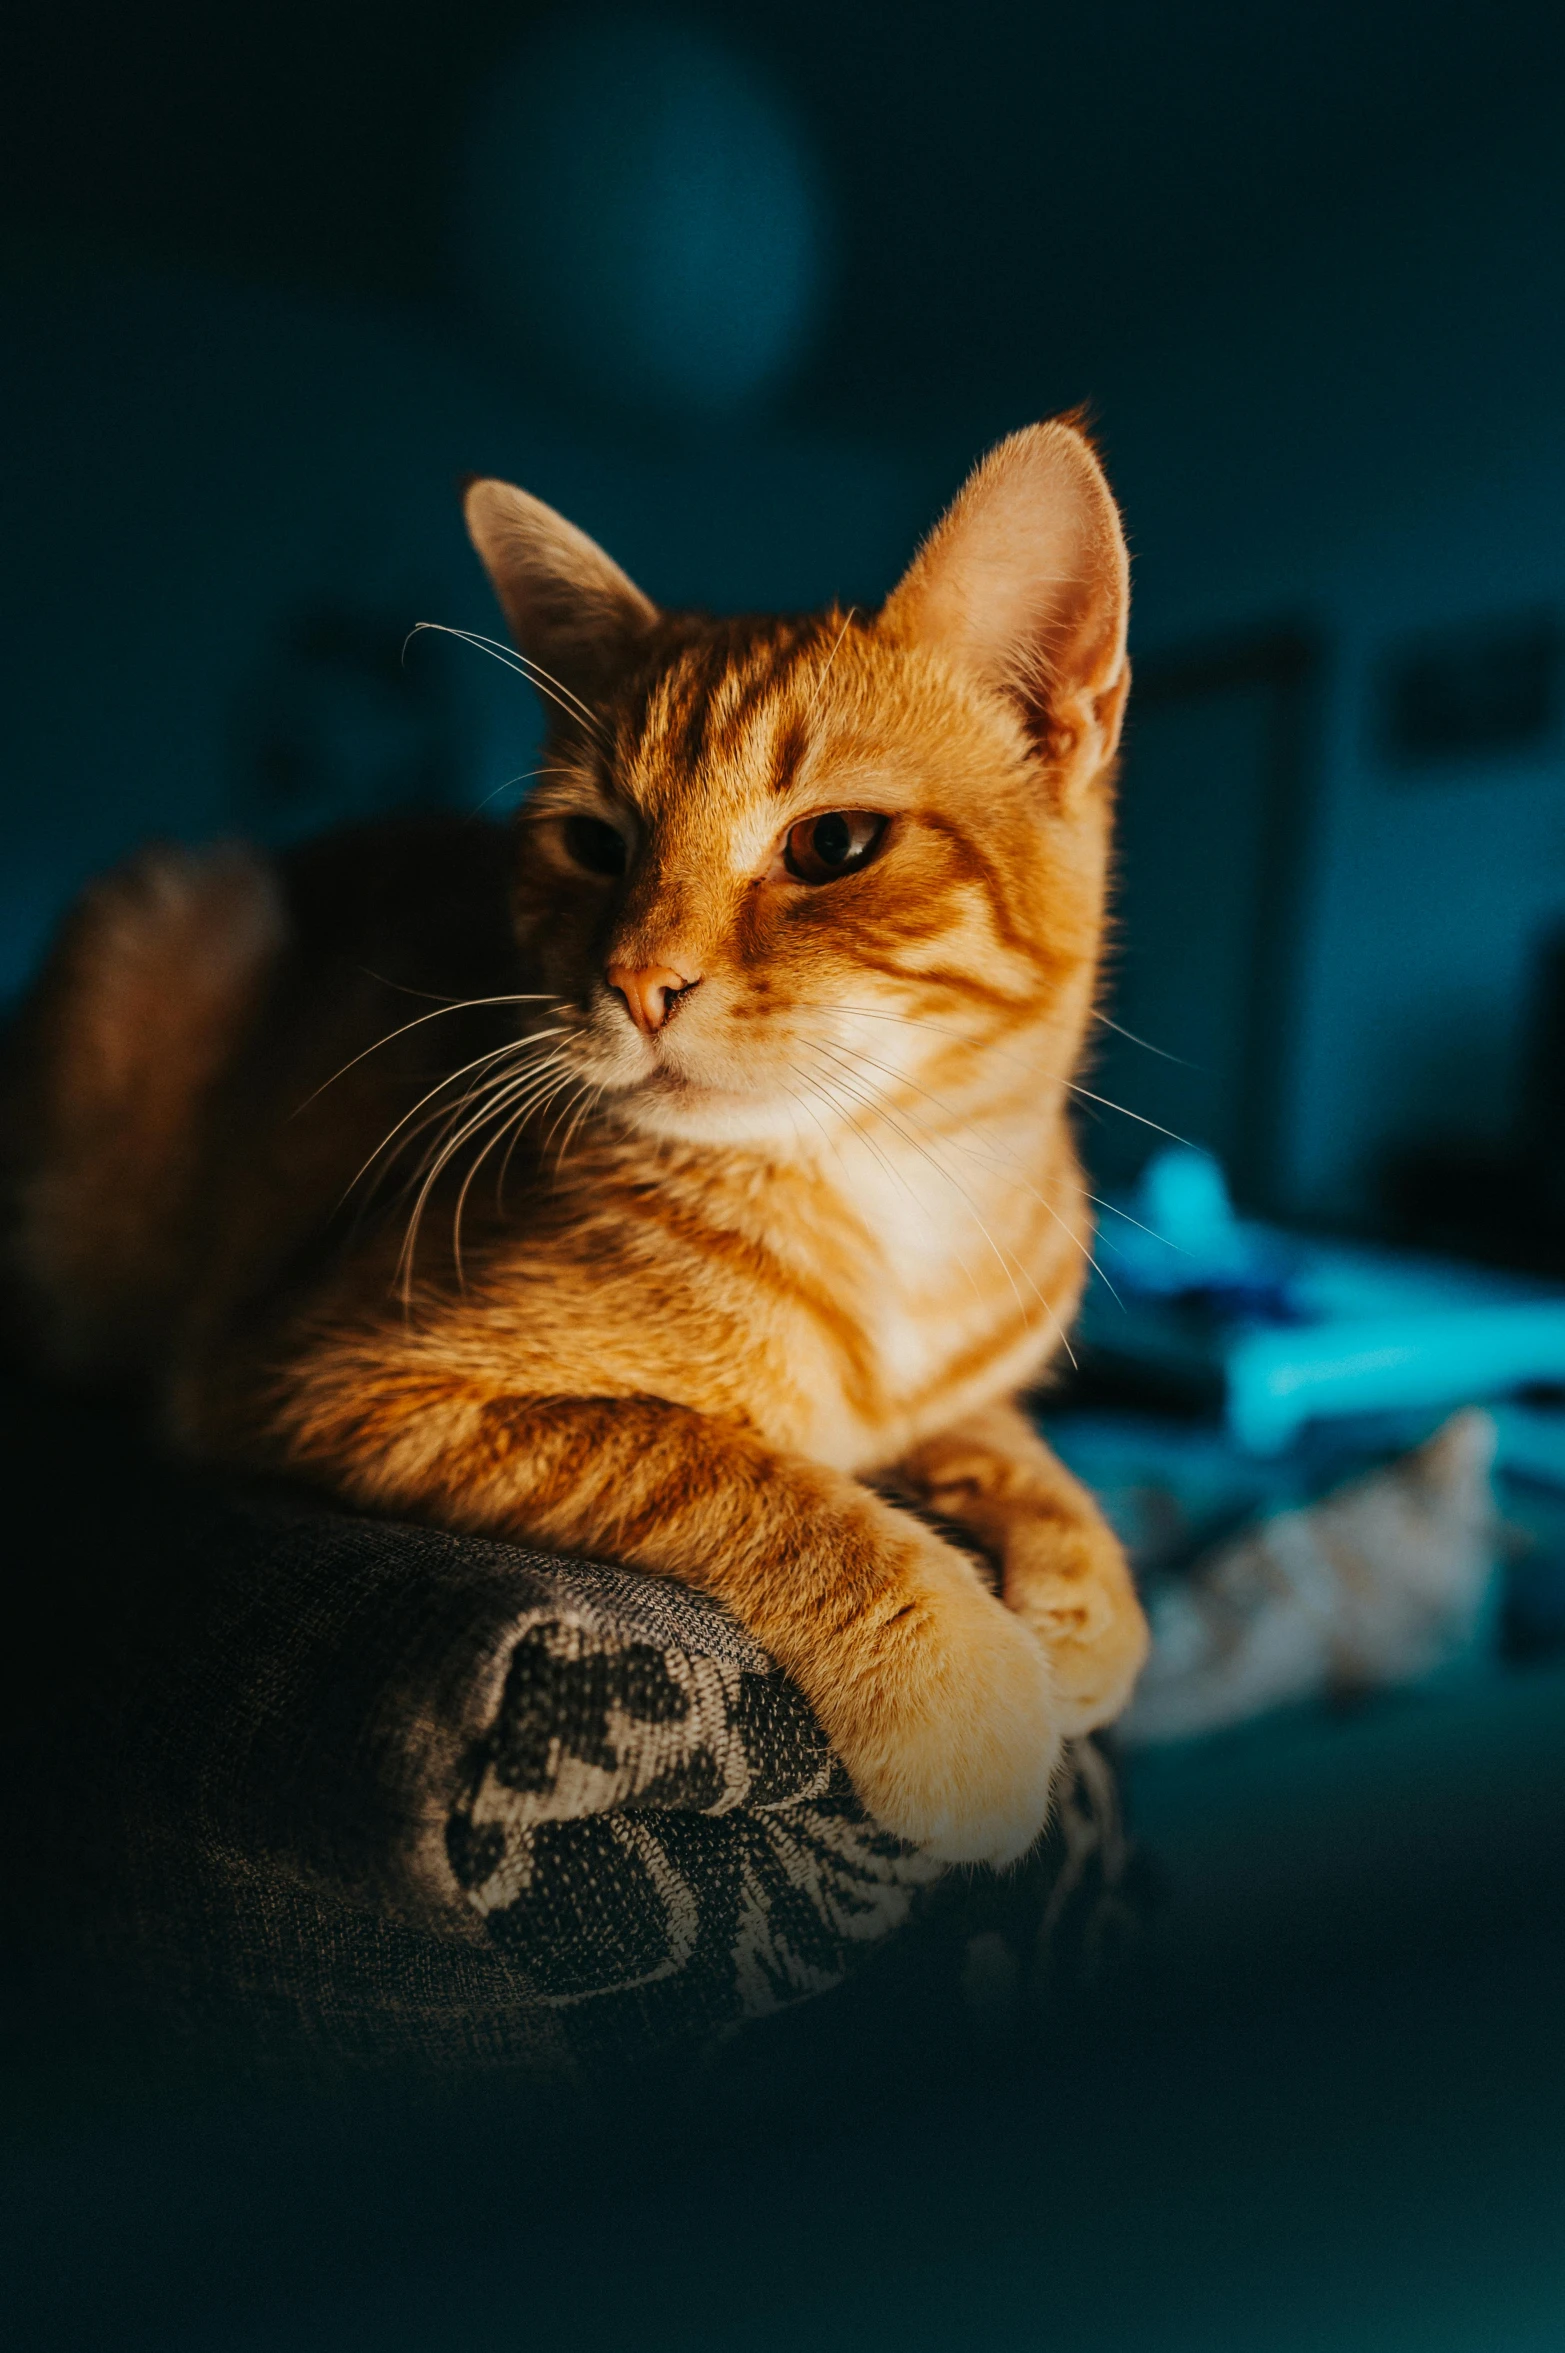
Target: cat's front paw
x,y
950,1729
1069,1584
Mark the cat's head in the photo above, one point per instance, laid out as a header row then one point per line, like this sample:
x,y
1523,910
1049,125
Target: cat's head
x,y
779,869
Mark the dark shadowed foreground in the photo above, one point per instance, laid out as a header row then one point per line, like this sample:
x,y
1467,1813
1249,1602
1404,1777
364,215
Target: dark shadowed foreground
x,y
1318,2104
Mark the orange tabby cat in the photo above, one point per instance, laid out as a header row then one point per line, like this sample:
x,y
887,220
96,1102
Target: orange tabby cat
x,y
683,1174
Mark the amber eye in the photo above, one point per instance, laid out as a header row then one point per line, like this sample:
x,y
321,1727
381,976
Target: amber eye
x,y
818,849
594,845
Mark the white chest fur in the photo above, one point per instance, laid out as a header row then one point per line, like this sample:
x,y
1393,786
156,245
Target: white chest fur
x,y
956,1252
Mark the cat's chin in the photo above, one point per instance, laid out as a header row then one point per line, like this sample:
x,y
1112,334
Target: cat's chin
x,y
679,1111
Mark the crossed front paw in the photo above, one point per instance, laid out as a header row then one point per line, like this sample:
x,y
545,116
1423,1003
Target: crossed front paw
x,y
948,1719
1070,1586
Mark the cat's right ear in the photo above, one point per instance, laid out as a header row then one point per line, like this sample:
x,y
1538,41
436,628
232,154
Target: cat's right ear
x,y
569,607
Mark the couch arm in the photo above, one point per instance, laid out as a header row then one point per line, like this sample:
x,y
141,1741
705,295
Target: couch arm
x,y
381,1792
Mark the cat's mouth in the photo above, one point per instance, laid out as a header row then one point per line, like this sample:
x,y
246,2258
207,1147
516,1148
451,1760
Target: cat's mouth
x,y
665,1084
685,1087
667,1098
646,1069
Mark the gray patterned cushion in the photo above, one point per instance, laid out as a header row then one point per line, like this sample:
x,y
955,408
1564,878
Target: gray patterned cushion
x,y
362,1790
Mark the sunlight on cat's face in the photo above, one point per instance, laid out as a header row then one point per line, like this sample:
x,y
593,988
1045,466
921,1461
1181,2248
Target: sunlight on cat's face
x,y
774,871
803,872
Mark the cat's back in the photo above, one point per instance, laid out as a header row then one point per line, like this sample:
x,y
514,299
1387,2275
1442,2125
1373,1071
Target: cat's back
x,y
182,1083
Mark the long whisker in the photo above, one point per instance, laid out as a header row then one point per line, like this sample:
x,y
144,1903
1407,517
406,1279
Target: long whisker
x,y
513,1048
818,1086
1115,1210
524,776
563,1113
491,1092
1004,1259
515,1127
536,1108
492,1113
583,1111
971,1152
1057,1078
449,1113
447,1151
536,676
1120,1031
830,658
459,1005
826,1133
878,1111
498,645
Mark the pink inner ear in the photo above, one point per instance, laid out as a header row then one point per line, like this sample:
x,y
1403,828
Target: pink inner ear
x,y
1025,584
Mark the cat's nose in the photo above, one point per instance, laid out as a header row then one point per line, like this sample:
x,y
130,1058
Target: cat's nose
x,y
651,992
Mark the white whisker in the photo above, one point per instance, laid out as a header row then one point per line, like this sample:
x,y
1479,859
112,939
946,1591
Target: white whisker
x,y
830,658
456,1005
492,1113
999,1053
971,1152
1120,1031
820,1085
536,676
584,1110
1003,1259
524,776
512,1048
1115,1210
443,1158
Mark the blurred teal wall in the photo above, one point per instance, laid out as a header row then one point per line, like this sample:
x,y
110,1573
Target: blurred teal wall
x,y
191,471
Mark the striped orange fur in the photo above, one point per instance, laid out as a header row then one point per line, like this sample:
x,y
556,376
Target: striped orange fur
x,y
682,1174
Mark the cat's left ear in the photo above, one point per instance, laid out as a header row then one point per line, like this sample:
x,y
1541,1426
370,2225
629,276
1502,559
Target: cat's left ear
x,y
1025,585
569,607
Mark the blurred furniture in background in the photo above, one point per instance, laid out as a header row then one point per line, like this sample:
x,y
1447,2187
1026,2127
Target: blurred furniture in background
x,y
1213,819
1504,1205
1275,1423
1276,1329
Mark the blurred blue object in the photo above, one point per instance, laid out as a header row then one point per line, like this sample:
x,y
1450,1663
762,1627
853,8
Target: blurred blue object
x,y
1289,1329
1178,1238
1532,1443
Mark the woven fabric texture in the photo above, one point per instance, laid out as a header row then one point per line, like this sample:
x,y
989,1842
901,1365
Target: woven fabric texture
x,y
373,1791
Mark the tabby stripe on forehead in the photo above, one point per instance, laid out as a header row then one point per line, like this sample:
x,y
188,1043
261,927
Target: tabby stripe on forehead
x,y
788,749
720,689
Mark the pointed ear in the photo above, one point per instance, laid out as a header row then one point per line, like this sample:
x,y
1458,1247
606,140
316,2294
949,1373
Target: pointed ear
x,y
1025,585
568,606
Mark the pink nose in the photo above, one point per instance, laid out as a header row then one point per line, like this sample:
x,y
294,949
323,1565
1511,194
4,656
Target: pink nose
x,y
651,993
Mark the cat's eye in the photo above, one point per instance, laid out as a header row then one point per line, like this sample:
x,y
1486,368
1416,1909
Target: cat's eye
x,y
818,849
592,844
